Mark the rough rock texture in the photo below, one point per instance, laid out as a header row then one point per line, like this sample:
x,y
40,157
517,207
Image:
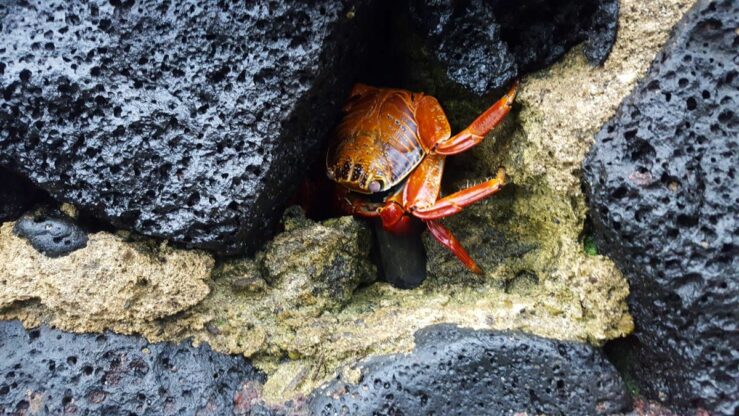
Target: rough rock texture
x,y
651,408
48,372
281,303
662,184
109,283
191,122
492,373
485,45
17,195
538,278
51,232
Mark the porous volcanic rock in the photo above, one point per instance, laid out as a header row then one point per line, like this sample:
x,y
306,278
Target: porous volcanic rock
x,y
45,371
538,279
190,121
485,45
662,185
491,373
51,232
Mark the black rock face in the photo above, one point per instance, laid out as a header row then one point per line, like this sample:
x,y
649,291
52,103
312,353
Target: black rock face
x,y
485,44
489,373
662,184
51,232
17,195
192,121
45,371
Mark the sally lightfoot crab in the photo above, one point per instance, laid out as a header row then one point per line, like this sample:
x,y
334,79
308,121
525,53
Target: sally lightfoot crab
x,y
393,143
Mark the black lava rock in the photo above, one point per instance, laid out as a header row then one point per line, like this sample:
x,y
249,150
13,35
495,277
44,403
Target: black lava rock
x,y
192,120
662,184
485,44
402,257
17,195
50,372
456,371
51,232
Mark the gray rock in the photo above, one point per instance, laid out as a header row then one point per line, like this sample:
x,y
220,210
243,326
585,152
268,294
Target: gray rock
x,y
191,121
662,186
51,232
455,371
57,373
485,44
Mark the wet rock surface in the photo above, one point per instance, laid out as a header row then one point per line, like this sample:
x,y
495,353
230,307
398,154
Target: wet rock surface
x,y
492,373
51,232
190,122
300,321
537,277
485,45
661,180
45,371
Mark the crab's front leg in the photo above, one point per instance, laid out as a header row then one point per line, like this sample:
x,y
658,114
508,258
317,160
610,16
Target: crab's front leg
x,y
435,131
454,203
420,193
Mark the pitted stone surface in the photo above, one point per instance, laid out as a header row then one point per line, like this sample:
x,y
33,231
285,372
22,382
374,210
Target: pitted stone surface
x,y
45,371
190,121
487,44
490,373
51,233
665,203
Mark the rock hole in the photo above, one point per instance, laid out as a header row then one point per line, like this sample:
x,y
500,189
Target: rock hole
x,y
620,192
193,199
685,220
25,75
691,104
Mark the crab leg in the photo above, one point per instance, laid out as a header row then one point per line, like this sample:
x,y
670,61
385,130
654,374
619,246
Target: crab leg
x,y
482,125
447,239
454,203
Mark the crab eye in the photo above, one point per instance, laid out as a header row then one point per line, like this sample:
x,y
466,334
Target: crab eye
x,y
375,186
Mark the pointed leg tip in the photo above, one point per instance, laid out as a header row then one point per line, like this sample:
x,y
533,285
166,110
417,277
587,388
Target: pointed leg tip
x,y
514,89
501,175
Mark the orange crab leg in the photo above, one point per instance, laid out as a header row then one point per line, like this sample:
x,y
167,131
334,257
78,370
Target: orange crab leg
x,y
482,125
454,203
424,183
447,239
